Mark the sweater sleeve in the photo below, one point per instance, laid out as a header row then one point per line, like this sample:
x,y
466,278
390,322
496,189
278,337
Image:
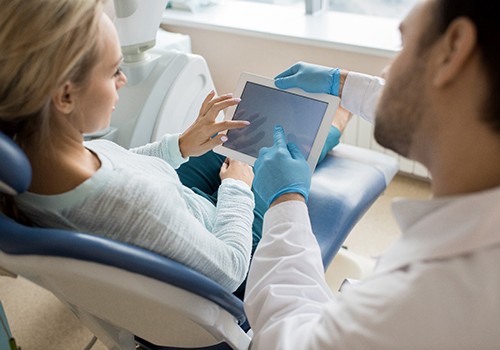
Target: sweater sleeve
x,y
167,149
154,215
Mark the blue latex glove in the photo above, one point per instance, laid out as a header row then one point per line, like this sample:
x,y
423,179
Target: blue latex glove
x,y
311,78
332,140
281,169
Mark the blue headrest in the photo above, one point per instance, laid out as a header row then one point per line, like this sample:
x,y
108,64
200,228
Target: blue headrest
x,y
15,169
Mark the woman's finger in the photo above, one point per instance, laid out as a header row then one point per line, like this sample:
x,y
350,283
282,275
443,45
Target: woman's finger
x,y
205,105
214,101
210,100
224,165
228,125
218,106
214,142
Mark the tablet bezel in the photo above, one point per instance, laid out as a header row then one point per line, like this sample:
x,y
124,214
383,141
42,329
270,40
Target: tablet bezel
x,y
317,146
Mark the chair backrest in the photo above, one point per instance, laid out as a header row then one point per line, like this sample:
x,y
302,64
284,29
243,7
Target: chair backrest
x,y
15,171
119,291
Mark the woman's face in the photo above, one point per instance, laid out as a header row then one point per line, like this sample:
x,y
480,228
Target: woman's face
x,y
97,100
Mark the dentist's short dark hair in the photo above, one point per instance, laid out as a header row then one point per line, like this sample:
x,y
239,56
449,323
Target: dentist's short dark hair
x,y
484,15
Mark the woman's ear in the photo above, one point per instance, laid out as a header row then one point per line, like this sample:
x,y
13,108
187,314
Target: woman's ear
x,y
63,99
457,45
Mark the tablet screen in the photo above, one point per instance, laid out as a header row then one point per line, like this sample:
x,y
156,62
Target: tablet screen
x,y
265,107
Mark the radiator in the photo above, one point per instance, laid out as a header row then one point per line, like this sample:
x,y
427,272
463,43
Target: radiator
x,y
359,132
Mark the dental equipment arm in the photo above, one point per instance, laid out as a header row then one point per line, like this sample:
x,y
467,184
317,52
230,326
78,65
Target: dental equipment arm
x,y
137,23
166,83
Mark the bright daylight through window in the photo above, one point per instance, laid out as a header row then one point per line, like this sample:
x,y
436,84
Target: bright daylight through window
x,y
380,8
395,9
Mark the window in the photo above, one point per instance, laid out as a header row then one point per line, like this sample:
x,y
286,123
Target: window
x,y
395,9
285,20
381,8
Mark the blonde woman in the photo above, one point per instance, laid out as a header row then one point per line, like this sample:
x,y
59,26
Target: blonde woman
x,y
59,77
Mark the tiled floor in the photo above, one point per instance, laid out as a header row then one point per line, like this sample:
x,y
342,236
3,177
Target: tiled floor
x,y
39,321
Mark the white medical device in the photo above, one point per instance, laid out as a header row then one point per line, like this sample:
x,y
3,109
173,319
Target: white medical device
x,y
166,83
137,22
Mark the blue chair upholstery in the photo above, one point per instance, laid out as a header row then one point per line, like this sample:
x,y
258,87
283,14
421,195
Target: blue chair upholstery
x,y
343,187
15,172
127,295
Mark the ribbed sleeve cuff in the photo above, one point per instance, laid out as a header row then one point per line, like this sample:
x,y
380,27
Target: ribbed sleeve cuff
x,y
174,152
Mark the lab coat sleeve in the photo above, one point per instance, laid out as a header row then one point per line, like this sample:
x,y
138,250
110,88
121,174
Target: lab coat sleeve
x,y
287,254
360,94
289,305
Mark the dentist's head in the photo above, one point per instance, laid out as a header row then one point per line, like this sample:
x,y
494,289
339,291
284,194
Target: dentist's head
x,y
445,76
50,51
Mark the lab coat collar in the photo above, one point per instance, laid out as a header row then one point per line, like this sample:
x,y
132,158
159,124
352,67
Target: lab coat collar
x,y
442,228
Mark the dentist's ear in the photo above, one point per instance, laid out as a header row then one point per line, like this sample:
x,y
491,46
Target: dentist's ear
x,y
457,45
63,99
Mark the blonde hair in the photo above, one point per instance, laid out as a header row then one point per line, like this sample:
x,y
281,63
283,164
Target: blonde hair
x,y
43,44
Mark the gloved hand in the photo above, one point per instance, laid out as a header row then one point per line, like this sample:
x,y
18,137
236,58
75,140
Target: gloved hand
x,y
332,140
311,78
281,169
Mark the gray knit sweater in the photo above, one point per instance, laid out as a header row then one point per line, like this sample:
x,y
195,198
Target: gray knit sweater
x,y
137,197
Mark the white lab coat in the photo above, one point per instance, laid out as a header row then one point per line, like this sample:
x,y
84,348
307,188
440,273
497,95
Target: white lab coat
x,y
361,93
436,288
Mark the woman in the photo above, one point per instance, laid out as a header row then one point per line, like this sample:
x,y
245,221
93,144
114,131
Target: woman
x,y
59,76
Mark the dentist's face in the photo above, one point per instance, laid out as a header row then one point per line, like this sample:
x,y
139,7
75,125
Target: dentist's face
x,y
97,100
403,105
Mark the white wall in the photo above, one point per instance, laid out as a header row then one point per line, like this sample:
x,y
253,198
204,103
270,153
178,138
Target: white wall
x,y
229,54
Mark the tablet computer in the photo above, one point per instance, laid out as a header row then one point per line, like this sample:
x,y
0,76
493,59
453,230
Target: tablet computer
x,y
305,118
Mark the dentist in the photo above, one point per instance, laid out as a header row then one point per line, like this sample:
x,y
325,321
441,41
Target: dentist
x,y
438,287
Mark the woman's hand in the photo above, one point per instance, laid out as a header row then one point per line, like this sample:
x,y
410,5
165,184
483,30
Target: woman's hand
x,y
203,135
237,170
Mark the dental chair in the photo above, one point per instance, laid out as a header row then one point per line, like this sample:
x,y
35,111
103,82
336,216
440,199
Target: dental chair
x,y
132,298
124,294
